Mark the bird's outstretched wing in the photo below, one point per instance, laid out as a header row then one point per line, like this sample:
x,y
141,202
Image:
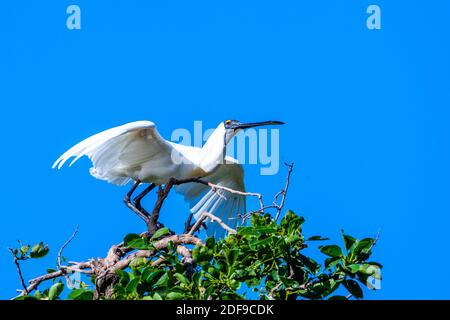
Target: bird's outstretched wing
x,y
119,152
226,207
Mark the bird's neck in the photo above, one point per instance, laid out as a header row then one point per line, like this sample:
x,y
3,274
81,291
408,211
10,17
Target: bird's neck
x,y
213,152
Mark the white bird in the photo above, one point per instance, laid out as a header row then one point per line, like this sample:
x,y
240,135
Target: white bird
x,y
136,152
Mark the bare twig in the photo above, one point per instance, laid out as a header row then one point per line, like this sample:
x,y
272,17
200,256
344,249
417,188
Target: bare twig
x,y
216,187
187,224
34,283
19,271
197,225
213,218
283,192
273,290
65,245
158,261
375,240
275,205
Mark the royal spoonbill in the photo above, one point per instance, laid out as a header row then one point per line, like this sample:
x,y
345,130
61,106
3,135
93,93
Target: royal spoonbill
x,y
136,152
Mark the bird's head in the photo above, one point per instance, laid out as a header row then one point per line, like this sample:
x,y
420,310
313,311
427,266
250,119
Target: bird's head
x,y
214,150
234,126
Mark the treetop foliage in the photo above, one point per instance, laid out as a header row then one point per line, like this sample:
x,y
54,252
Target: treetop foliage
x,y
263,260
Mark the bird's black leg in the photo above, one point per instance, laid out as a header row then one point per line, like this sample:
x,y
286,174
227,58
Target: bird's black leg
x,y
143,215
137,200
187,224
130,193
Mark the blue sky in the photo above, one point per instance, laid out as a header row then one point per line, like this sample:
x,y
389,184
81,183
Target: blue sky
x,y
367,117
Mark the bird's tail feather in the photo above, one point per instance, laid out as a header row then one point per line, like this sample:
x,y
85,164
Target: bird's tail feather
x,y
226,207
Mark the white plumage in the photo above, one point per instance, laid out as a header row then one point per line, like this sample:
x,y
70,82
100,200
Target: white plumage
x,y
136,151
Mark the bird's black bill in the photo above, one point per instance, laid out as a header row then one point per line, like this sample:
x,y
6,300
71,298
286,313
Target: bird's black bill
x,y
257,124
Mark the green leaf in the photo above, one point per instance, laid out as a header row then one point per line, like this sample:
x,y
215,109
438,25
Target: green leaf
x,y
201,254
363,246
55,291
208,292
130,237
197,279
137,262
135,241
232,256
247,231
39,251
317,238
312,265
156,296
140,244
332,262
348,241
160,232
152,277
257,243
210,243
353,268
265,229
196,253
331,250
181,278
175,296
353,287
370,270
132,285
24,249
81,294
15,252
292,221
38,294
275,275
123,275
163,281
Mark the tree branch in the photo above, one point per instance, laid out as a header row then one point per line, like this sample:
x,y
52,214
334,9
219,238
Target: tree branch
x,y
274,205
213,218
283,192
216,187
159,245
113,261
19,271
187,224
34,283
65,245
